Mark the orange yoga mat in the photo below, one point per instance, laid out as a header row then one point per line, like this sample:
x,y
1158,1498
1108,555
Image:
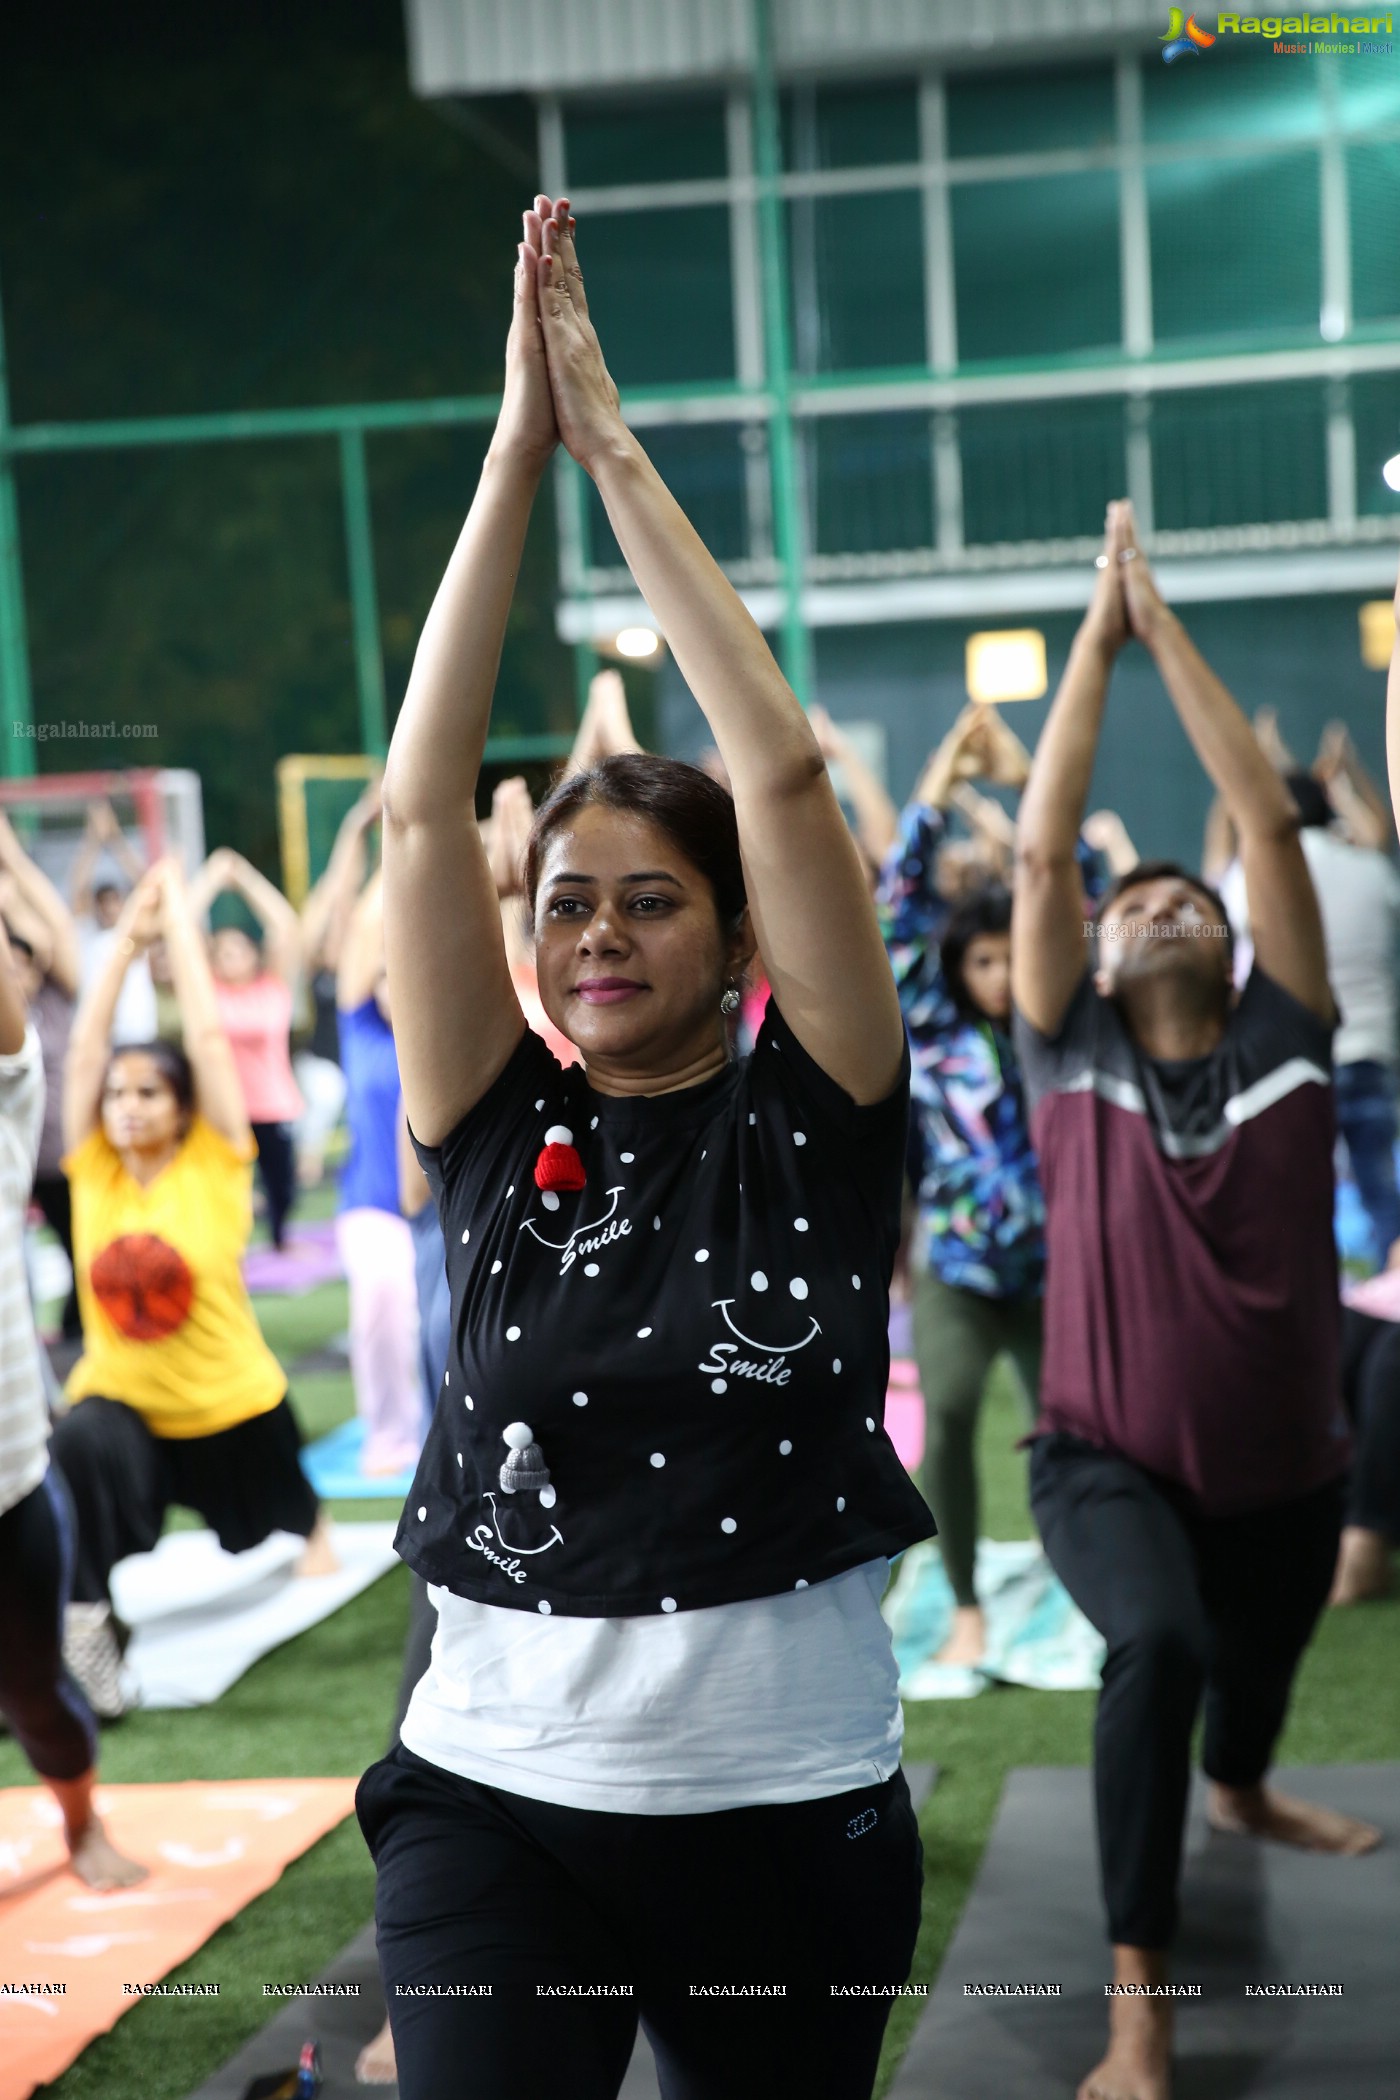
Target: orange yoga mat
x,y
211,1846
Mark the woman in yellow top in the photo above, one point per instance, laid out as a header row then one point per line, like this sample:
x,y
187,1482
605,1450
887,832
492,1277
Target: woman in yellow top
x,y
179,1399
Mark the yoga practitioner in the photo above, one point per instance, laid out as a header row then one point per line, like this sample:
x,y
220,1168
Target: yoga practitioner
x,y
656,1756
178,1397
43,1706
1188,1471
325,920
97,907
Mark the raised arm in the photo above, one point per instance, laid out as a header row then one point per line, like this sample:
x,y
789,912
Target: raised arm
x,y
362,951
1285,922
208,882
877,819
32,885
90,1043
1048,951
606,728
1357,800
326,912
218,1092
277,917
808,897
456,1017
13,1014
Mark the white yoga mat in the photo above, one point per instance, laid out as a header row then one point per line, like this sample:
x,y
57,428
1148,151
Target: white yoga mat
x,y
201,1617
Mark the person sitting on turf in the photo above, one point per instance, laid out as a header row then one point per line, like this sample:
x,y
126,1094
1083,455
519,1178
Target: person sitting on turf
x,y
39,1698
177,1397
1188,1469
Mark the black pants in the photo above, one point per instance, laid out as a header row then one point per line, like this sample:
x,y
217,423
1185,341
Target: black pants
x,y
1188,1605
46,1711
277,1170
245,1482
478,1886
1371,1389
417,1649
55,1199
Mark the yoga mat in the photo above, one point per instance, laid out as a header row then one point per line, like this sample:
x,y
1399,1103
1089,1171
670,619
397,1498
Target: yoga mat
x,y
332,1465
201,1617
211,1848
1252,1914
1035,1635
307,1261
343,2024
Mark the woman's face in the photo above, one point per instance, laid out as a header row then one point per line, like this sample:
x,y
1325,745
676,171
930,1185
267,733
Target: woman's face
x,y
233,958
986,974
629,951
140,1113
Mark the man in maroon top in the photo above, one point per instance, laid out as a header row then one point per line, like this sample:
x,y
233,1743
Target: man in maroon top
x,y
1188,1464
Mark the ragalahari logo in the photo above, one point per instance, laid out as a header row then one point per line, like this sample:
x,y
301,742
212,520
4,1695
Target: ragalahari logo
x,y
1183,36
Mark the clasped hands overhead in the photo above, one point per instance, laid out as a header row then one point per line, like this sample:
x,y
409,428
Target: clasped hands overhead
x,y
557,388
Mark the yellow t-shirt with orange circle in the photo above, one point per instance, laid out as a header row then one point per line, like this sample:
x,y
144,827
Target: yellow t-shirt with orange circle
x,y
168,1326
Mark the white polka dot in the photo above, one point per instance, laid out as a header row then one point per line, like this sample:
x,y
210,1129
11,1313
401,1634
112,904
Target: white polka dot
x,y
590,1268
836,1366
658,1458
840,1502
728,1524
466,1235
627,1158
668,1604
656,1224
447,1378
549,1199
459,1458
759,1280
800,1224
510,1191
495,1268
594,1124
580,1399
559,1134
785,1446
512,1334
752,1118
704,1155
800,1583
798,1287
702,1254
540,1104
719,1385
642,1333
422,1514
469,1400
799,1137
855,1283
870,1422
545,1606
548,1498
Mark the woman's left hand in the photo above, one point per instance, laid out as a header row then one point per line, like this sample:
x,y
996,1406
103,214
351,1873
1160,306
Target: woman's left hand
x,y
585,399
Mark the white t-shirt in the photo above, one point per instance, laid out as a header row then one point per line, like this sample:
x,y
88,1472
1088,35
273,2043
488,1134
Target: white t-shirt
x,y
135,1017
1358,891
24,1414
783,1698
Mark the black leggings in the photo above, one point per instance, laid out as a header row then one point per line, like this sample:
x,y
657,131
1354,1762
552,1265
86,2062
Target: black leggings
x,y
478,1886
55,1199
1371,1388
277,1170
245,1482
48,1714
1188,1605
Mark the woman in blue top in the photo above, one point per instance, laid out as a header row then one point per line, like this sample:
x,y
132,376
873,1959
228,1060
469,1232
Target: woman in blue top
x,y
979,1254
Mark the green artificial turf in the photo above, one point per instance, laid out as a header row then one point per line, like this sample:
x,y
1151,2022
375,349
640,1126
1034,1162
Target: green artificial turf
x,y
322,1705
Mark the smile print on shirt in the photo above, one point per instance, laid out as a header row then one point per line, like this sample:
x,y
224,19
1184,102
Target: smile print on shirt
x,y
590,1237
766,1362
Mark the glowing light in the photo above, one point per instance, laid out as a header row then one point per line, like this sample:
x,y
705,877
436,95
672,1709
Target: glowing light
x,y
1377,633
1007,665
1390,473
637,641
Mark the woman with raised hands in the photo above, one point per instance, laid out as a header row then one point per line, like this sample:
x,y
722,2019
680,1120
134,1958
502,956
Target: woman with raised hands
x,y
653,1767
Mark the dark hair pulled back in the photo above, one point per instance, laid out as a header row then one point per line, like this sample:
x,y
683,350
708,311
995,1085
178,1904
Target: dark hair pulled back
x,y
689,808
985,910
171,1063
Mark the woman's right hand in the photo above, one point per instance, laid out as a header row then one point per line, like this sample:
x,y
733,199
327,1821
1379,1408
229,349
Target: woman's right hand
x,y
141,920
525,428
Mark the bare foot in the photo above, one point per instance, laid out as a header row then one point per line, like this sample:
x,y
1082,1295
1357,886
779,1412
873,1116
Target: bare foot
x,y
375,2064
1259,1812
1363,1567
96,1860
967,1643
320,1556
1138,2064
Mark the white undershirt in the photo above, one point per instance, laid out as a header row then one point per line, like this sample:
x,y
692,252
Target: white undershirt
x,y
785,1698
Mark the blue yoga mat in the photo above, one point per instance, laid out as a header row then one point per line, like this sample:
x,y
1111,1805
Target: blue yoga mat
x,y
332,1465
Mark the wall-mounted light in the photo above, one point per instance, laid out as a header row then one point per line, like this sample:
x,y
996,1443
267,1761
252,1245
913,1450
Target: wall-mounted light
x,y
1377,618
1390,473
636,642
1008,664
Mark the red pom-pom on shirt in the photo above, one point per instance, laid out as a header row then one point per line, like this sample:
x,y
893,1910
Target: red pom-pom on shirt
x,y
559,1167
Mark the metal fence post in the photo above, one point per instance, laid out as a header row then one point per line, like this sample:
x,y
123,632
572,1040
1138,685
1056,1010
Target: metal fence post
x,y
364,602
16,697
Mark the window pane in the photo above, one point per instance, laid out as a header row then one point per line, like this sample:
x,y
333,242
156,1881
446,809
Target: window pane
x,y
1375,409
1373,203
1249,456
872,481
660,292
1036,266
1040,470
1030,112
1215,100
703,466
864,127
1235,247
662,140
858,281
